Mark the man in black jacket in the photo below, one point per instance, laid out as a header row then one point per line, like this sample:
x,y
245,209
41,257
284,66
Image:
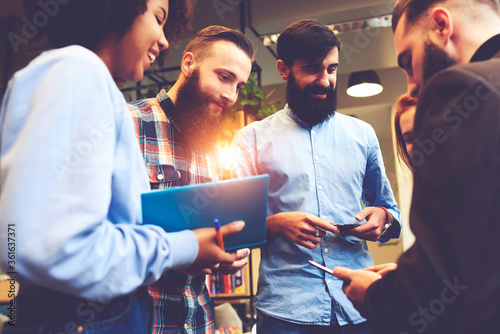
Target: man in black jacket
x,y
449,280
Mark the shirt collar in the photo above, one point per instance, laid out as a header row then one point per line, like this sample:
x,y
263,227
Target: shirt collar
x,y
166,103
488,50
294,117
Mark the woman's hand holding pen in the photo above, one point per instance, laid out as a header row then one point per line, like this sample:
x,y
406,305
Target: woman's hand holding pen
x,y
209,252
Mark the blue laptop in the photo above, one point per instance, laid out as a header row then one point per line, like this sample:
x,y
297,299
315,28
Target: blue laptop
x,y
196,206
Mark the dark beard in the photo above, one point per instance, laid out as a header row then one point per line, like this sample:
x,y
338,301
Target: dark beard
x,y
199,126
310,110
435,60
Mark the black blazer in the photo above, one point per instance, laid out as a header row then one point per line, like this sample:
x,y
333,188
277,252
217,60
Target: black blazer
x,y
449,280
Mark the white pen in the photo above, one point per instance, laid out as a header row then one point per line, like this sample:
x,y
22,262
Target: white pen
x,y
317,265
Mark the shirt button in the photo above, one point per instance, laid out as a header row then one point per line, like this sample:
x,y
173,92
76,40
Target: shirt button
x,y
326,250
316,158
328,281
313,132
185,326
323,217
320,187
160,177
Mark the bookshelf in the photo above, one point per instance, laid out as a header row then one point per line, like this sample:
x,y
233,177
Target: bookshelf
x,y
235,286
243,300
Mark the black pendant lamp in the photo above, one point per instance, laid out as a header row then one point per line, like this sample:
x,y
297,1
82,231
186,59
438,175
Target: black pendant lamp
x,y
364,83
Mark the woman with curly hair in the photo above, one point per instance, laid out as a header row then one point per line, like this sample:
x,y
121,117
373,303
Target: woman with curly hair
x,y
71,176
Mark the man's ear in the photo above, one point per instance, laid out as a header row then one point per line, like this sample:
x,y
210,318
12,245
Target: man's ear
x,y
188,64
442,25
283,69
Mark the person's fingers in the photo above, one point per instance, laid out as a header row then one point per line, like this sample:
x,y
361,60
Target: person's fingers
x,y
383,272
343,273
363,228
232,228
369,235
383,269
323,224
239,263
227,258
225,271
321,233
385,266
233,267
306,244
363,231
309,238
356,231
363,214
318,232
242,253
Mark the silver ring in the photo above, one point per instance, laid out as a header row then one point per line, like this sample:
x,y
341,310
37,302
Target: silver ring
x,y
317,233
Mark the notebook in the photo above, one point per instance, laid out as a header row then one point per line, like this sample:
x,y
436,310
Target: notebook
x,y
196,206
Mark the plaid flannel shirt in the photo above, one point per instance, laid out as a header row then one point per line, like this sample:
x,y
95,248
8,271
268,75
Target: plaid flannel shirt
x,y
182,302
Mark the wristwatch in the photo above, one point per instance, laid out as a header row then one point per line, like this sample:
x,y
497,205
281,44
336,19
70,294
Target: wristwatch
x,y
387,229
388,225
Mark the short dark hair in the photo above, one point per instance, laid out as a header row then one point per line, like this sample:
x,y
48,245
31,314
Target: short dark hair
x,y
306,39
415,8
404,103
89,22
203,38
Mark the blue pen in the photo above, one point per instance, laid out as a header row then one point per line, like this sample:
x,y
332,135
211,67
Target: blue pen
x,y
218,234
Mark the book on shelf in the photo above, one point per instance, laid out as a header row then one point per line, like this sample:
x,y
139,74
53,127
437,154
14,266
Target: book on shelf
x,y
229,330
238,282
218,283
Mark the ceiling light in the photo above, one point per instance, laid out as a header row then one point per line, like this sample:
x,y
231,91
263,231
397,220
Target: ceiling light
x,y
343,27
364,83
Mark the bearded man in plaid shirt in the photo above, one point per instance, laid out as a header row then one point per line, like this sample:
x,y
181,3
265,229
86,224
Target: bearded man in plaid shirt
x,y
177,133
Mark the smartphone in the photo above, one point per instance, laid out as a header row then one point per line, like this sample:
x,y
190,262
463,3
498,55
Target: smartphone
x,y
346,227
317,265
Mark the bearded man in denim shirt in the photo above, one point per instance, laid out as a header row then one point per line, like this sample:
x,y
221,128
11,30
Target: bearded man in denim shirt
x,y
325,168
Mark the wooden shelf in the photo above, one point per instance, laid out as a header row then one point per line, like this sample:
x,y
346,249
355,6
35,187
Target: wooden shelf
x,y
230,295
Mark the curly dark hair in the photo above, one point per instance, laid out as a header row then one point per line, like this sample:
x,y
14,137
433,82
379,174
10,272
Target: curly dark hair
x,y
89,22
180,13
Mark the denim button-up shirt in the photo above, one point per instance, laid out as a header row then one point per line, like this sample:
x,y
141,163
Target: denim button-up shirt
x,y
330,170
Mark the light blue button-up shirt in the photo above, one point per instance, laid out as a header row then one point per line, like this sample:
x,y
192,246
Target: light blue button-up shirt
x,y
71,177
330,170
